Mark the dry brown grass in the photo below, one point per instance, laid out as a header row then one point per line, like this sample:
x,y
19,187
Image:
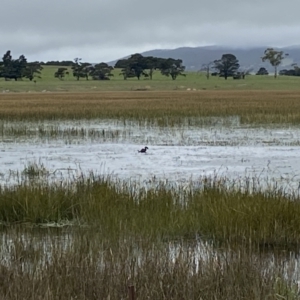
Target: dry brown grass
x,y
251,106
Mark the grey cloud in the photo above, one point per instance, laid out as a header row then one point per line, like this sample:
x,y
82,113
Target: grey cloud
x,y
104,30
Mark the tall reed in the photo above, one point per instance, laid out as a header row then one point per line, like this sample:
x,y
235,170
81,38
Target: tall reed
x,y
256,219
165,108
81,264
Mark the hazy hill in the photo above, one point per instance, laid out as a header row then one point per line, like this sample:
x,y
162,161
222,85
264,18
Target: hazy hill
x,y
194,57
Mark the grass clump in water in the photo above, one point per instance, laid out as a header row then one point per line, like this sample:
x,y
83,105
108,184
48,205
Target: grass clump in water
x,y
117,209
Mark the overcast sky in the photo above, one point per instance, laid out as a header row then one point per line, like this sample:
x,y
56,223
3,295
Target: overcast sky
x,y
104,30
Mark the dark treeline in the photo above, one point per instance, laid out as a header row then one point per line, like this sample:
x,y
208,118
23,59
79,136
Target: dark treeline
x,y
63,63
19,68
290,72
137,66
101,71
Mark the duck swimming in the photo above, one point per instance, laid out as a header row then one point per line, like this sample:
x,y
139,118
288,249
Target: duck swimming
x,y
143,150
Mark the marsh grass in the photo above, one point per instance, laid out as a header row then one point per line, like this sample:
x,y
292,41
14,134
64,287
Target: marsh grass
x,y
162,108
215,211
82,264
35,170
23,131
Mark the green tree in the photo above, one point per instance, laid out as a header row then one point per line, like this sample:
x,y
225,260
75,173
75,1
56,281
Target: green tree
x,y
291,72
151,64
124,65
171,67
33,70
101,71
262,71
127,73
227,66
7,65
138,65
13,68
296,69
61,73
274,57
81,70
134,66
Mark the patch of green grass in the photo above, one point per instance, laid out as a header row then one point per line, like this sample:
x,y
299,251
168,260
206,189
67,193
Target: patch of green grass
x,y
193,81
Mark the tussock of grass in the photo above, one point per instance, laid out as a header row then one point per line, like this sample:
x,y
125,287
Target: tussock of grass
x,y
258,219
253,219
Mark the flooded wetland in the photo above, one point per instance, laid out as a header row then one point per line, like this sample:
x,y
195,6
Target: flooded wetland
x,y
210,211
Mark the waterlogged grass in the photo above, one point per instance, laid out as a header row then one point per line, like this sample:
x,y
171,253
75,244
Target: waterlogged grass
x,y
214,212
82,264
219,241
163,108
30,130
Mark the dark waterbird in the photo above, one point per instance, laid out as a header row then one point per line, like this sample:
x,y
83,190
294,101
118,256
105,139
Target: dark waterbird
x,y
143,150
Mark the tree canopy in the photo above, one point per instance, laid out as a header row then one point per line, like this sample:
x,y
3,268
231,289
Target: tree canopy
x,y
134,66
262,71
18,68
274,57
138,65
172,67
291,72
101,71
227,66
61,73
81,70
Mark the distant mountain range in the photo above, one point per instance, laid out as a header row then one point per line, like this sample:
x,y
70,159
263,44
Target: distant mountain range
x,y
249,58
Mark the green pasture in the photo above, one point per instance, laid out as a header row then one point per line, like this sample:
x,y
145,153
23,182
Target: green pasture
x,y
192,81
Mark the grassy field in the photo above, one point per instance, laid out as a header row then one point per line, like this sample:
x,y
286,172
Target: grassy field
x,y
166,108
193,80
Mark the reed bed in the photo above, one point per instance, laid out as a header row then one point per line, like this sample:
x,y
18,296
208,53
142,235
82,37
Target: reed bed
x,y
164,108
82,264
39,131
214,211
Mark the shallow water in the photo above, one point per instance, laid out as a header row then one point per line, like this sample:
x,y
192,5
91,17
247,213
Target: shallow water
x,y
268,155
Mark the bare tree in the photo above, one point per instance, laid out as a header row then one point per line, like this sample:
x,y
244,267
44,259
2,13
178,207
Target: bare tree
x,y
206,68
